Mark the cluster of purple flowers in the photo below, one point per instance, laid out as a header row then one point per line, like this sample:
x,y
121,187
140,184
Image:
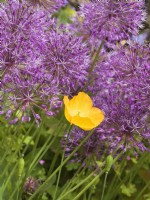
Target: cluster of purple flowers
x,y
40,63
110,21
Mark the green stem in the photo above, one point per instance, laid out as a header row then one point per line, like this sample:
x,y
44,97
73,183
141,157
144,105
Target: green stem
x,y
94,63
89,185
19,181
104,185
53,164
96,57
78,185
45,148
95,179
57,170
62,159
72,180
141,192
17,150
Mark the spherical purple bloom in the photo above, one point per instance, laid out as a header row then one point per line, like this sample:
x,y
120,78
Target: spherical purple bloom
x,y
124,96
130,67
67,60
27,90
111,20
126,125
22,33
25,86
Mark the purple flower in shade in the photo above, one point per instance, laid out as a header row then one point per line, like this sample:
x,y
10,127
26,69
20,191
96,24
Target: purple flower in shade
x,y
22,33
91,151
67,60
27,90
111,20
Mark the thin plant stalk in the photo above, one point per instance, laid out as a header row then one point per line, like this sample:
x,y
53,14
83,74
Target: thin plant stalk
x,y
15,153
104,185
71,182
16,188
89,185
41,153
53,163
65,161
78,185
62,159
96,178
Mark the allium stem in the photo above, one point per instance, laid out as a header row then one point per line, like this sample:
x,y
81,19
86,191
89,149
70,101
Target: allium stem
x,y
71,183
53,164
88,185
94,62
104,185
13,170
17,150
65,161
96,178
78,185
24,151
96,57
44,149
62,159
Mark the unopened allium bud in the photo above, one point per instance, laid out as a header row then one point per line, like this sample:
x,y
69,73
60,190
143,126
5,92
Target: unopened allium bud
x,y
31,185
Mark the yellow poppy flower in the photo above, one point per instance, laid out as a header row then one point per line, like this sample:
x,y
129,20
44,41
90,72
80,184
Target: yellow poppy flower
x,y
80,112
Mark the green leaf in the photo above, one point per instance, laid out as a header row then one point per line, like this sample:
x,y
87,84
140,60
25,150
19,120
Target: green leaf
x,y
128,190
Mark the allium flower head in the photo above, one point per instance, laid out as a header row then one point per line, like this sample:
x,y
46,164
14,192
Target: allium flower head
x,y
28,90
25,85
66,59
125,125
111,20
125,97
130,67
22,31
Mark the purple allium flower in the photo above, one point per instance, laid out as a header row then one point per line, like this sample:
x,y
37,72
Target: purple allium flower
x,y
28,89
25,85
111,20
125,126
22,33
91,151
129,67
67,60
122,91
